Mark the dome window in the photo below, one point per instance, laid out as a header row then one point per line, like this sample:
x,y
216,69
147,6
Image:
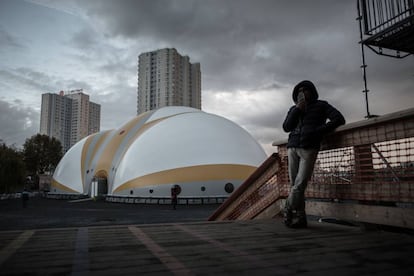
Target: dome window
x,y
229,188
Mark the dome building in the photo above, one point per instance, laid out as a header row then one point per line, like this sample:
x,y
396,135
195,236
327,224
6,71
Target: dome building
x,y
203,155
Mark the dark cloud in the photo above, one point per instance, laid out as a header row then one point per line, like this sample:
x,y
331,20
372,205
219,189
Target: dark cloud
x,y
203,20
272,86
8,40
84,40
236,39
118,105
251,53
244,45
25,80
74,85
28,80
19,124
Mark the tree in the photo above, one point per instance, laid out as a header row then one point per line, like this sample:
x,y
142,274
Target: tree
x,y
41,154
12,169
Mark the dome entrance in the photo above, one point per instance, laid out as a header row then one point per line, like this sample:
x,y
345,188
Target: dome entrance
x,y
99,187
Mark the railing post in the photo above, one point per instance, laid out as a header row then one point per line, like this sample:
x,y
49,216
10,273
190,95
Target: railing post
x,y
364,166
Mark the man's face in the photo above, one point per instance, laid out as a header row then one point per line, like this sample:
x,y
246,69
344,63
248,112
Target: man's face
x,y
305,92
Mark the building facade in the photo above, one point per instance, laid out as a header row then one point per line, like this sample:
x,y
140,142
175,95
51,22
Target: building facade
x,y
165,78
69,117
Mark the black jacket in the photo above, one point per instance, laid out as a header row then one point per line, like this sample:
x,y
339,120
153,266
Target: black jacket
x,y
307,128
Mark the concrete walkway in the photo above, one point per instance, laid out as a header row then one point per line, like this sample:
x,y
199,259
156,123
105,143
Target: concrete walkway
x,y
261,247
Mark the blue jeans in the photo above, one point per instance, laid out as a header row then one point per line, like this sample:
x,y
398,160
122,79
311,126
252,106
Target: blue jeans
x,y
301,164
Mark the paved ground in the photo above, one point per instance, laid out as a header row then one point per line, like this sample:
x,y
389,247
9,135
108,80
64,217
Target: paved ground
x,y
46,213
261,247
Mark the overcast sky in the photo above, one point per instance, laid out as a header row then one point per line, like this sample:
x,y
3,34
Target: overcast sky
x,y
251,53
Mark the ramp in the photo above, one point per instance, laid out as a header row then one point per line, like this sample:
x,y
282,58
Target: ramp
x,y
260,196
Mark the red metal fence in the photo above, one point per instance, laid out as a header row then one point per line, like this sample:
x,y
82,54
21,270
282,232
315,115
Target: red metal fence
x,y
371,160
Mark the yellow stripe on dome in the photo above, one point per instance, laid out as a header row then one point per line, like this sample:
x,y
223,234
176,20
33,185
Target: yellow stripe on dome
x,y
62,187
98,145
190,174
105,160
145,127
111,148
142,130
130,124
101,174
85,149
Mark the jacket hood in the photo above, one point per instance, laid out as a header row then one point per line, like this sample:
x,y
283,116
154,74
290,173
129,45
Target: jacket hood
x,y
310,86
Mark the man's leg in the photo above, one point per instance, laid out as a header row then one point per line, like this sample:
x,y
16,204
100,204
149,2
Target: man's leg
x,y
306,166
293,166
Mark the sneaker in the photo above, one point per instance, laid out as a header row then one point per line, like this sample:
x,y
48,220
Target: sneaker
x,y
300,223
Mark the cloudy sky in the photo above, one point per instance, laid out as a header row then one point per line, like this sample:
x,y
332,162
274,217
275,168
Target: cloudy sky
x,y
251,53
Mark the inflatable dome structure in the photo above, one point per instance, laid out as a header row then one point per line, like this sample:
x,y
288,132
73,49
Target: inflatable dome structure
x,y
201,154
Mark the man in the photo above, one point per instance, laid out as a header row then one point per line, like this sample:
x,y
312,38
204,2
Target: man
x,y
174,194
25,198
308,121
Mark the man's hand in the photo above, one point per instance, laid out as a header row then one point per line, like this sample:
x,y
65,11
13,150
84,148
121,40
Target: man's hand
x,y
301,104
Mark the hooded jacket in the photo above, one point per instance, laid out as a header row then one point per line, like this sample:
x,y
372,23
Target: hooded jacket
x,y
307,128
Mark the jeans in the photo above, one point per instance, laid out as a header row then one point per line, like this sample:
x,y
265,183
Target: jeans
x,y
301,164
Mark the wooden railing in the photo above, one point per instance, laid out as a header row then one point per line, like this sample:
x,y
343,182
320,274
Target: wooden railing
x,y
364,172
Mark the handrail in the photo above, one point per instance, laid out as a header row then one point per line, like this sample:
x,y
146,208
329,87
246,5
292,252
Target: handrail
x,y
388,119
256,180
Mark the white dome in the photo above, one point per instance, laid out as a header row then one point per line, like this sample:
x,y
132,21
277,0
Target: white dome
x,y
183,146
65,169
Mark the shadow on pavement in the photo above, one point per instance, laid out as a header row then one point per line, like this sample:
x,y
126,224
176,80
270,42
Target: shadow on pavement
x,y
50,213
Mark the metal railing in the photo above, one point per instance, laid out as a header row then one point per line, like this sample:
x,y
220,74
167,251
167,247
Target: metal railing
x,y
166,200
379,15
387,27
369,162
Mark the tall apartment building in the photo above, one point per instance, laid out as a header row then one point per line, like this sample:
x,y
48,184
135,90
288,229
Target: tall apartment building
x,y
69,117
166,78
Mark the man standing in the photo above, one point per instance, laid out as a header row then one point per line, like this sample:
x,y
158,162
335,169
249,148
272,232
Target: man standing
x,y
174,194
308,121
25,198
